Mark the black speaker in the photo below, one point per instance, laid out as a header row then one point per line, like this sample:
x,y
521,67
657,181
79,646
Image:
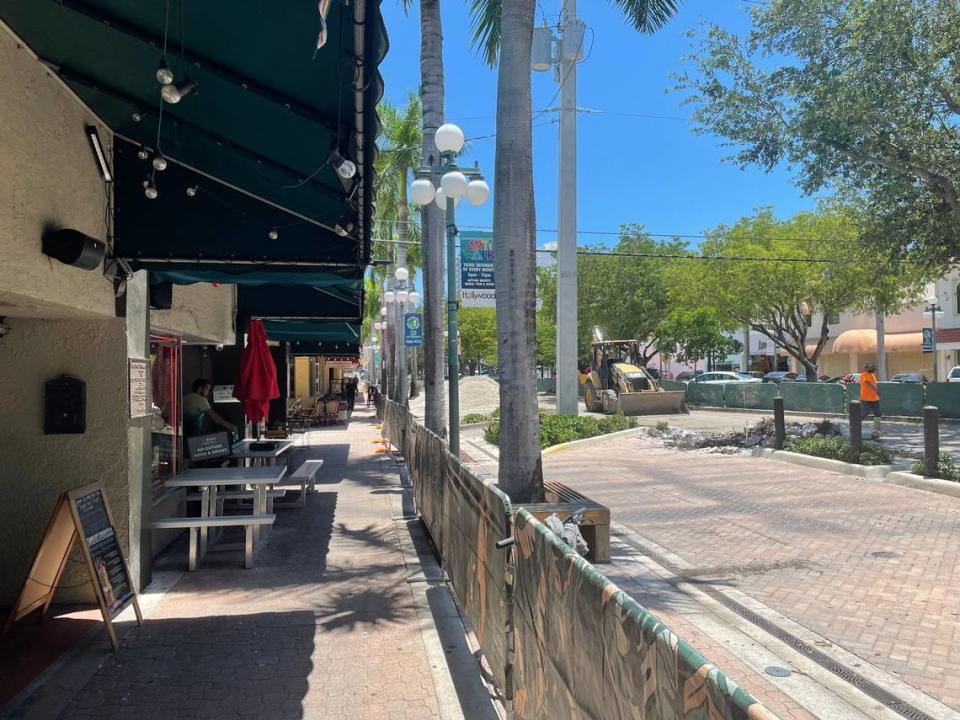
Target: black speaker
x,y
72,247
161,295
65,406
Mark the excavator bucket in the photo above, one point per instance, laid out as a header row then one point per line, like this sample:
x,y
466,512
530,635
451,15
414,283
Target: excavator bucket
x,y
659,402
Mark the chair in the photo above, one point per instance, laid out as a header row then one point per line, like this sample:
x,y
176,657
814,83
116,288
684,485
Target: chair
x,y
329,415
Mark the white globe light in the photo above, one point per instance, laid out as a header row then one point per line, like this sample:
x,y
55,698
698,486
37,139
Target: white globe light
x,y
414,297
422,191
454,184
383,311
401,296
376,326
449,138
389,296
477,192
931,299
401,274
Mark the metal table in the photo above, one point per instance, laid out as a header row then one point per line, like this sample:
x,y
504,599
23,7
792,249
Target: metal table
x,y
241,451
208,480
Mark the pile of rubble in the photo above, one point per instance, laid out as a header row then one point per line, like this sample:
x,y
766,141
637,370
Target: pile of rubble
x,y
759,435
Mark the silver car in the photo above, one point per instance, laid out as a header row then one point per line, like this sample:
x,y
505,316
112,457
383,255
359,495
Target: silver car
x,y
725,376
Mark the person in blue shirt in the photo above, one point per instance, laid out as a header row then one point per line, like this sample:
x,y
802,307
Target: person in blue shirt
x,y
197,409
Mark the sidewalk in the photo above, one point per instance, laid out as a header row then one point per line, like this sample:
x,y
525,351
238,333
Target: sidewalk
x,y
325,626
844,582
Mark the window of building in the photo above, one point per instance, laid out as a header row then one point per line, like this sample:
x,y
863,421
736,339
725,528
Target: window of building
x,y
833,318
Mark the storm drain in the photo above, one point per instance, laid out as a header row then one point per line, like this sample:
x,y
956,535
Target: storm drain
x,y
871,689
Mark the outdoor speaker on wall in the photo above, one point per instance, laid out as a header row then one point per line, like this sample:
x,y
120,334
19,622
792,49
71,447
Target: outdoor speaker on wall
x,y
161,295
72,247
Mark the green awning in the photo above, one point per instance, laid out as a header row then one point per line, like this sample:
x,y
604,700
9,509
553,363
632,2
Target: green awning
x,y
306,330
328,302
267,110
299,348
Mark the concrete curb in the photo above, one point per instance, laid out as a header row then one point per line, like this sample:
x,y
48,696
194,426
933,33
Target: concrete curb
x,y
596,439
872,472
918,482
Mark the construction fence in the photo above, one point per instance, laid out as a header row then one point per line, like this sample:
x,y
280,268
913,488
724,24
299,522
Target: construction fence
x,y
896,399
561,640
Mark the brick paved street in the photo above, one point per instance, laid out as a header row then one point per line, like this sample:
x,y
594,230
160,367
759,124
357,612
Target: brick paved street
x,y
870,566
324,626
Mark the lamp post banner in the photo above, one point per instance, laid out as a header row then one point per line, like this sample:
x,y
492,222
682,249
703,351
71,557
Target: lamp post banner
x,y
413,330
477,286
927,339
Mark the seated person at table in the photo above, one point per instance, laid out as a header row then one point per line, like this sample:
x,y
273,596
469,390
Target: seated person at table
x,y
197,409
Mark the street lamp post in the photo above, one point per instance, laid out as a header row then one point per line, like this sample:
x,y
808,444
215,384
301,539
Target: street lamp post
x,y
455,183
933,311
402,296
383,349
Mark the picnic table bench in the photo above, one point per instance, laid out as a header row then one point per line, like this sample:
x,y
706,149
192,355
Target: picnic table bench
x,y
564,500
194,525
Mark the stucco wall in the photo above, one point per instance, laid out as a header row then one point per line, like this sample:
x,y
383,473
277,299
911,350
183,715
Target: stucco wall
x,y
48,177
35,468
200,313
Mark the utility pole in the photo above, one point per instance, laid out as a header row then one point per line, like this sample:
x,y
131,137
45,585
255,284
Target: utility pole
x,y
562,53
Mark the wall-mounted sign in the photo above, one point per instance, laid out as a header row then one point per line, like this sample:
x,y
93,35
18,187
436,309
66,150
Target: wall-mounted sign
x,y
345,363
477,282
224,394
413,330
139,377
927,340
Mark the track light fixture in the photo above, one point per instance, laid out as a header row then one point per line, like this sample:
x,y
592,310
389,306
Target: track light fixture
x,y
345,168
175,92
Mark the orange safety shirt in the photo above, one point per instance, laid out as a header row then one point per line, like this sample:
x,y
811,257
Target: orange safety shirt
x,y
868,387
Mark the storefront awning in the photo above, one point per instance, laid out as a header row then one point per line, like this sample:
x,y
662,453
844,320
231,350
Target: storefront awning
x,y
292,331
864,340
331,301
255,135
314,348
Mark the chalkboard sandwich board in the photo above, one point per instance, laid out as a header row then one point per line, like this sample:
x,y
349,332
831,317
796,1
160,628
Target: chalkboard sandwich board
x,y
82,514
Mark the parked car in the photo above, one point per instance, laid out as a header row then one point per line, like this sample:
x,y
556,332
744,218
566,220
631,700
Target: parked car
x,y
954,375
845,379
685,376
909,377
778,376
653,372
725,376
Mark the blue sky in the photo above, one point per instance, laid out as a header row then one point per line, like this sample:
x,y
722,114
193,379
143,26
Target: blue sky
x,y
655,172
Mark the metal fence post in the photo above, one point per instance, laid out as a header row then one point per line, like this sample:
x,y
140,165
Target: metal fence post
x,y
931,440
856,430
779,424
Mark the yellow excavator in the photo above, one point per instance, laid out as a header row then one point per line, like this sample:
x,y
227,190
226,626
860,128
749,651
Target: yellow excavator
x,y
618,383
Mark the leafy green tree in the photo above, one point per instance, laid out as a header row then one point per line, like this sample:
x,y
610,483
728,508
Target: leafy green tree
x,y
695,335
478,336
546,340
861,95
625,296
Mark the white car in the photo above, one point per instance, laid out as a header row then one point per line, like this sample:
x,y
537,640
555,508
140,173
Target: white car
x,y
954,375
724,376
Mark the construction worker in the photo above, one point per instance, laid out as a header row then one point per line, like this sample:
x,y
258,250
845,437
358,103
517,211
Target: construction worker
x,y
870,397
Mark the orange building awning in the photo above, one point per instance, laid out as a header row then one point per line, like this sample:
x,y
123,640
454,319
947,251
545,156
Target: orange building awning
x,y
864,340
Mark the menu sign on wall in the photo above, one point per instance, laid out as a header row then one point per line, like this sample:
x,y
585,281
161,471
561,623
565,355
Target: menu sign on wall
x,y
139,376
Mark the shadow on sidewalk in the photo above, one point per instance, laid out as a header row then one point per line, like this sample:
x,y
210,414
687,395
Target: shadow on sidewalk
x,y
205,667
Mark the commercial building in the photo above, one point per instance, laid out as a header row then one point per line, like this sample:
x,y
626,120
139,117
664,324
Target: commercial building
x,y
161,184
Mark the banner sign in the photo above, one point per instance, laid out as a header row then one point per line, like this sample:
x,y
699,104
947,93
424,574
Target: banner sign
x,y
477,285
928,340
344,363
413,330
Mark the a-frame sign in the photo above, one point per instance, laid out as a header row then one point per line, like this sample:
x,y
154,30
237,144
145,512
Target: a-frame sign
x,y
85,514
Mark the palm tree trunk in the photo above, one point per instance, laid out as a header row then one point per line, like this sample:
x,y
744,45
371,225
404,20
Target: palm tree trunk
x,y
431,95
400,392
414,370
520,474
384,347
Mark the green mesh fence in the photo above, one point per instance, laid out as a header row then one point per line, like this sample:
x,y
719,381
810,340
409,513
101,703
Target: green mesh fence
x,y
586,649
946,397
673,385
750,396
813,397
705,395
901,399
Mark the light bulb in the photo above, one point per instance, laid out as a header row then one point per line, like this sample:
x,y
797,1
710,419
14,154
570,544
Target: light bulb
x,y
150,190
389,296
174,93
383,311
164,74
422,191
454,184
192,190
449,138
159,163
401,274
347,169
401,296
137,117
414,298
143,154
273,234
478,191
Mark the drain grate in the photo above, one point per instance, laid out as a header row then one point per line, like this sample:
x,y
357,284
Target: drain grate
x,y
888,699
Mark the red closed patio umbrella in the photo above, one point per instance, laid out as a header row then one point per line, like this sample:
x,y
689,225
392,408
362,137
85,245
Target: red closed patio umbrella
x,y
256,383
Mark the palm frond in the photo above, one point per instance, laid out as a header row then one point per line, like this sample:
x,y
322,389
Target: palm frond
x,y
486,17
648,16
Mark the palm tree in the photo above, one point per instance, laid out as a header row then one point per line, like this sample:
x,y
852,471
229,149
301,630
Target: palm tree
x,y
505,28
399,157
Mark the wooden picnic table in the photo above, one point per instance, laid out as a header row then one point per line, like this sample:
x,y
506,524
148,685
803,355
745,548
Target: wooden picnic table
x,y
209,480
241,451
